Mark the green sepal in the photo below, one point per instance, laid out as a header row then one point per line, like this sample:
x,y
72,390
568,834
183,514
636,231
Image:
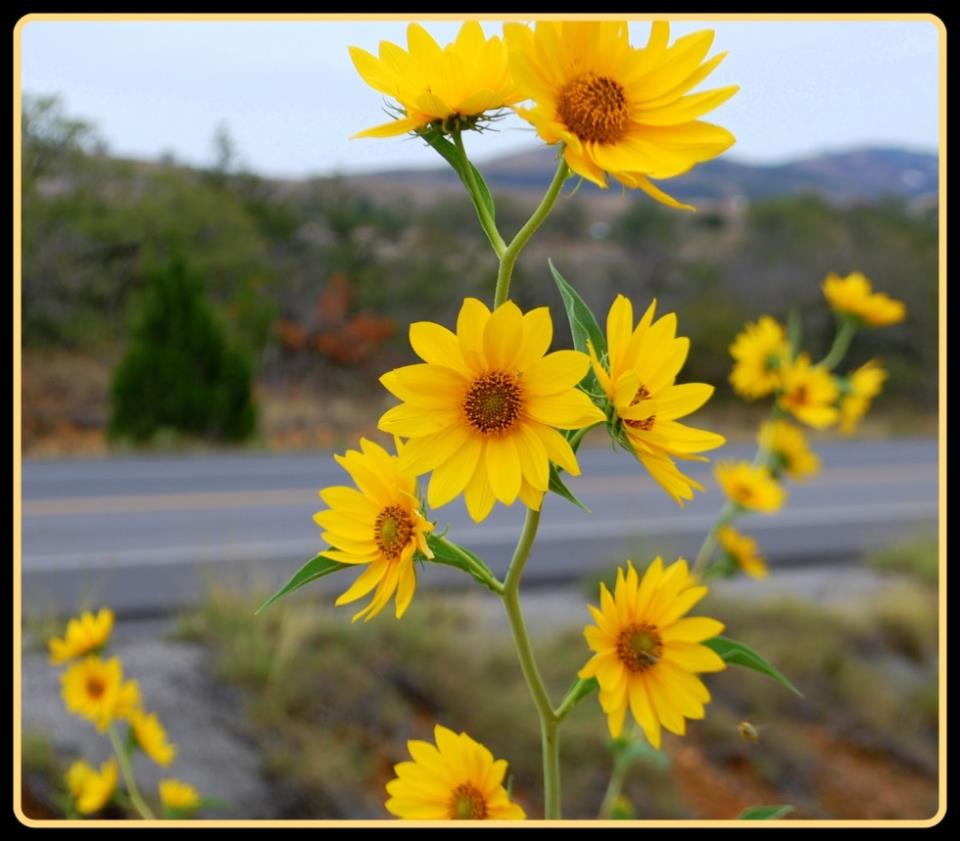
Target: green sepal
x,y
317,567
739,654
560,489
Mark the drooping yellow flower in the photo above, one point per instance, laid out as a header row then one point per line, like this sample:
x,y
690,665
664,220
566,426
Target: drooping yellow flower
x,y
85,635
92,689
647,653
483,410
91,789
178,796
456,779
864,384
743,550
620,110
151,737
639,379
809,393
758,353
750,487
455,85
379,523
853,295
787,443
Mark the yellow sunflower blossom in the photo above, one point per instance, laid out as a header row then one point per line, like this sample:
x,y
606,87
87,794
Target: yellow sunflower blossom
x,y
178,796
379,523
483,409
853,295
743,550
864,384
788,444
85,635
647,653
809,393
456,779
751,487
91,789
758,353
639,379
151,737
457,84
92,689
620,110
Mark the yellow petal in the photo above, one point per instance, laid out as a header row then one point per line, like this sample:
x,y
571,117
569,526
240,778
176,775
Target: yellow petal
x,y
503,467
556,372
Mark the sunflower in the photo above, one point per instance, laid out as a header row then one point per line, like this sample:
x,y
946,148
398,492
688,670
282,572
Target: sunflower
x,y
743,551
638,378
378,523
758,353
453,87
178,796
853,296
92,689
750,487
646,654
809,392
788,445
85,635
483,410
862,386
456,779
151,738
617,109
91,789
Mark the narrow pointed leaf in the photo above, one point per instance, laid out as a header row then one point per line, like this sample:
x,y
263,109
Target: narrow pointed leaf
x,y
558,487
764,813
741,655
316,567
452,554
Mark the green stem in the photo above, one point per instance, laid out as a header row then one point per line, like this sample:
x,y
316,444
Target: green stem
x,y
487,221
128,779
614,789
841,343
509,257
528,665
577,436
728,512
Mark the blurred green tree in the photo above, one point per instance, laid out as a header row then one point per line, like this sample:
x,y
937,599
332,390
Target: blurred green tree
x,y
180,373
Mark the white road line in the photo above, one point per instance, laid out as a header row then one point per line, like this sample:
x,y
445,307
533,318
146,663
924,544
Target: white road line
x,y
476,537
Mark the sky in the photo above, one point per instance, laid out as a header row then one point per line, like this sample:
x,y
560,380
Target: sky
x,y
290,98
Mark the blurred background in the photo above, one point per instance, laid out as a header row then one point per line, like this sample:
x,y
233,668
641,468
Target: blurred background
x,y
214,277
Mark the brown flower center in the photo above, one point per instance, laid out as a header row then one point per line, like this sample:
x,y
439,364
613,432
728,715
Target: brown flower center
x,y
743,492
594,108
643,393
96,687
392,530
467,804
493,402
800,396
639,647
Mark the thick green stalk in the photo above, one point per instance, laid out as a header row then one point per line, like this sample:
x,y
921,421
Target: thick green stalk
x,y
528,665
127,773
841,343
487,221
509,257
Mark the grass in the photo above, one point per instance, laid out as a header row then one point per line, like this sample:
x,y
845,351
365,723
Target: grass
x,y
332,704
917,556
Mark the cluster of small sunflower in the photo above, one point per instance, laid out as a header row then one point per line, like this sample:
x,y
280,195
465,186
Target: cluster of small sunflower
x,y
767,363
94,689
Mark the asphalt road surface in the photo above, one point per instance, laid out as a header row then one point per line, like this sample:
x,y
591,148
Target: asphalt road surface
x,y
148,534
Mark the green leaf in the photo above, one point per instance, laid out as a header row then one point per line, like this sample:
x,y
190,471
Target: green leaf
x,y
764,813
741,655
583,323
559,488
451,554
579,690
316,567
460,165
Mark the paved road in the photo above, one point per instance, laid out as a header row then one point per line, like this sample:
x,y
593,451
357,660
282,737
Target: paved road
x,y
146,534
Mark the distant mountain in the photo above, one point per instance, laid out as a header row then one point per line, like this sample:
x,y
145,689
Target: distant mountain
x,y
860,174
